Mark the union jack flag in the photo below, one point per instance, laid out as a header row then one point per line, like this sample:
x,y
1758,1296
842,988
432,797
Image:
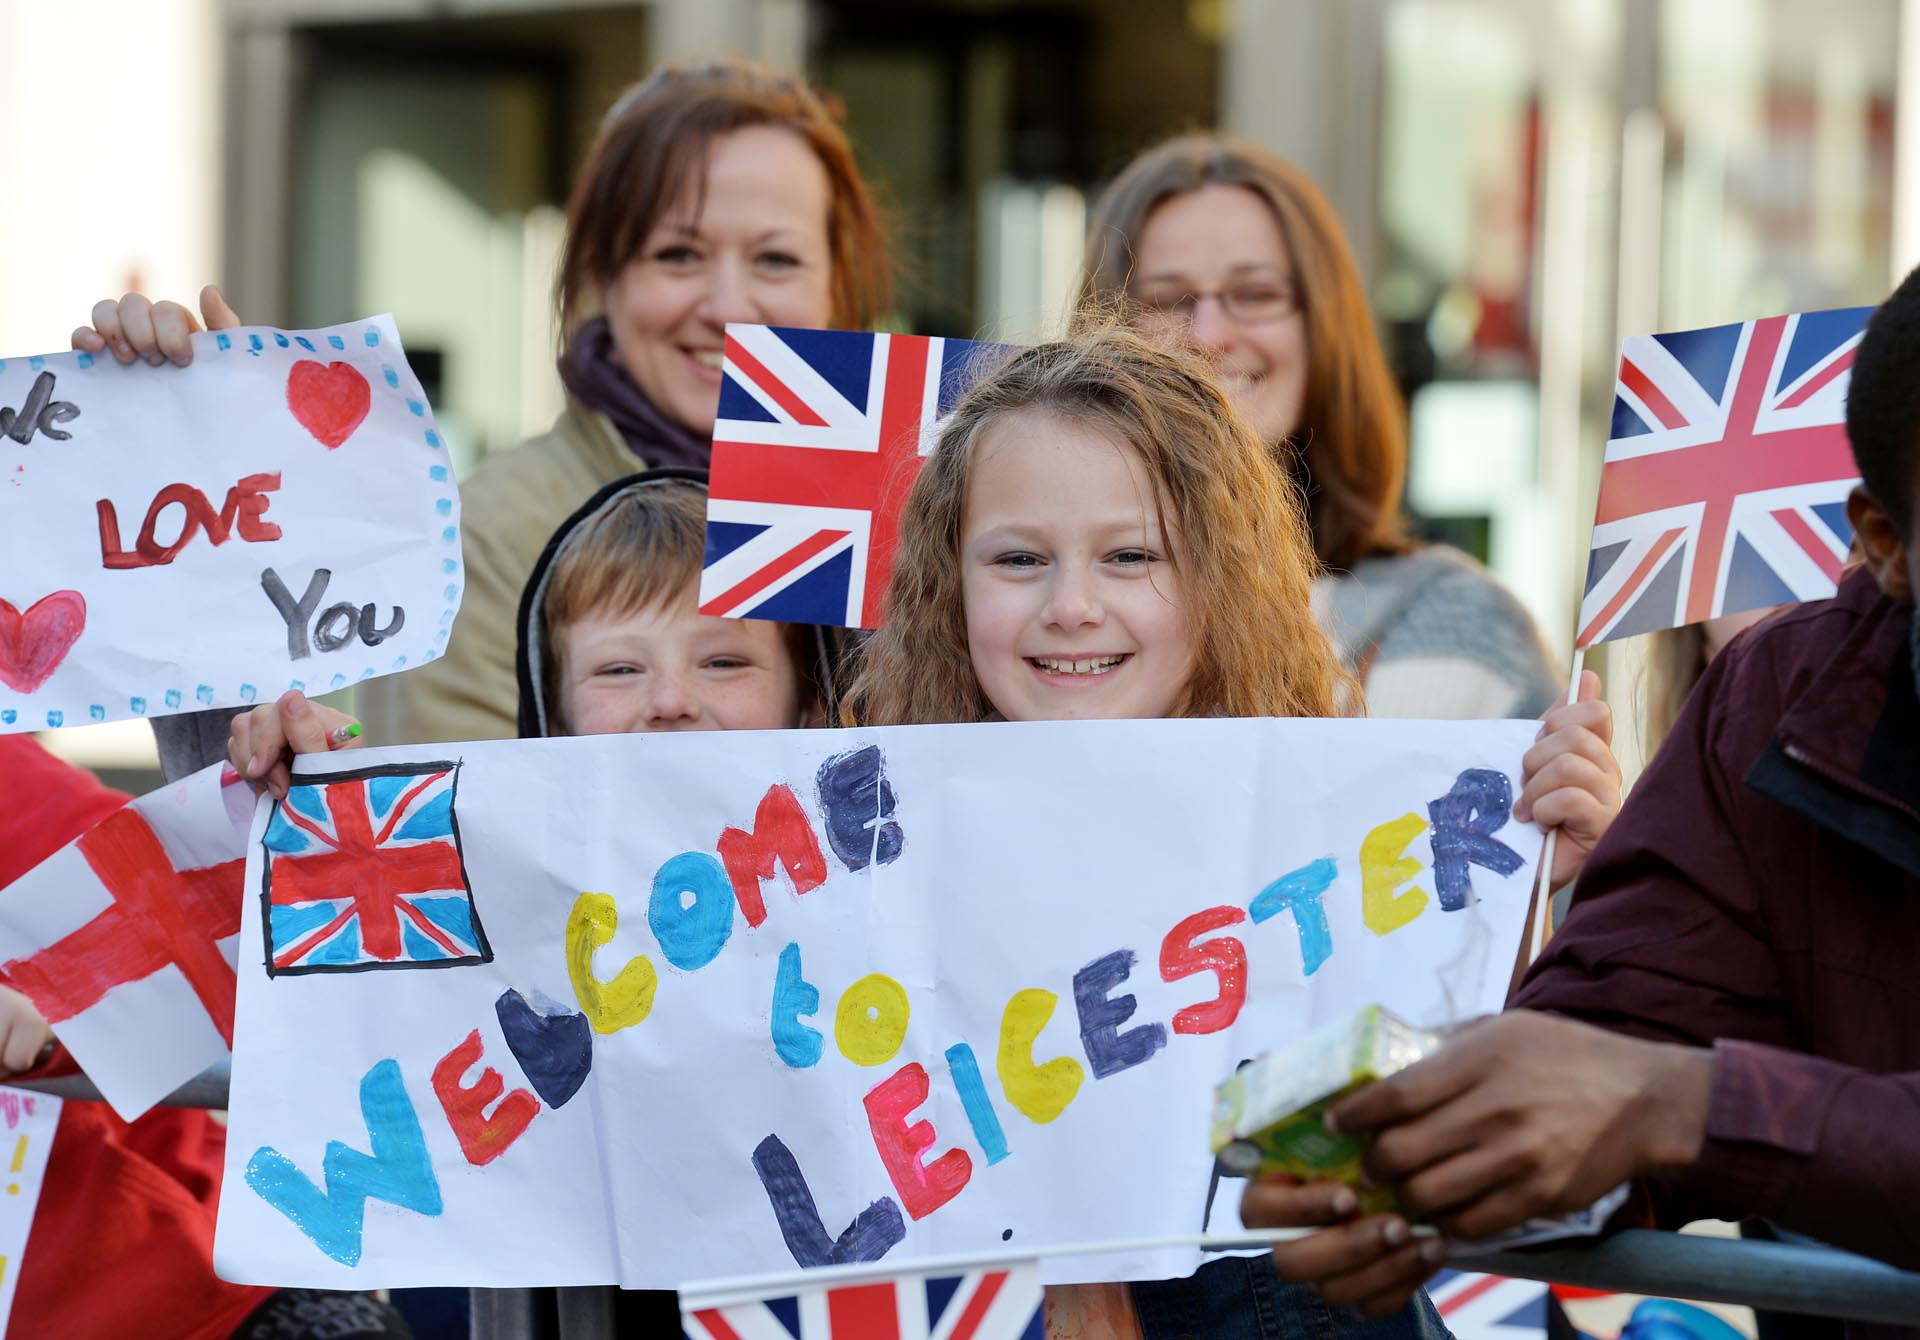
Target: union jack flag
x,y
1489,1307
819,436
998,1302
363,870
1726,475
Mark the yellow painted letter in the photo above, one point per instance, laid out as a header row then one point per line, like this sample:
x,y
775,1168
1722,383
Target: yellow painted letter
x,y
1040,1091
626,999
871,1022
1384,868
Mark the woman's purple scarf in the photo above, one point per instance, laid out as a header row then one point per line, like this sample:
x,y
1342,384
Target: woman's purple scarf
x,y
593,374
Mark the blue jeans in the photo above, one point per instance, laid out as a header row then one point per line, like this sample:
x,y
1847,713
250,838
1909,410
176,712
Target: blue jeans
x,y
1241,1298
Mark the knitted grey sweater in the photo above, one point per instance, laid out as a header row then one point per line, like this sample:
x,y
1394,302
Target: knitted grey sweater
x,y
1433,634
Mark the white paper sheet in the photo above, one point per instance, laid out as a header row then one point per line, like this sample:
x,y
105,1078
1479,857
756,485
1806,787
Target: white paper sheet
x,y
143,509
27,1122
1015,859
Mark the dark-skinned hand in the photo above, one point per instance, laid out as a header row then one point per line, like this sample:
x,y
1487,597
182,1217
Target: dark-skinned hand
x,y
1519,1116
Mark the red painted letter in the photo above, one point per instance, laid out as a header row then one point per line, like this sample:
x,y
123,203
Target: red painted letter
x,y
923,1187
1226,956
245,507
782,833
193,504
253,500
482,1138
111,554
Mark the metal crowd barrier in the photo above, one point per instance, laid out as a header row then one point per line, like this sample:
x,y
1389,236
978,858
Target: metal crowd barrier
x,y
1772,1276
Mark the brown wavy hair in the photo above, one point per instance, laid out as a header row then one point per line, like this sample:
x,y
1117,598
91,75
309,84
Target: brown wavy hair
x,y
653,144
1349,449
1244,558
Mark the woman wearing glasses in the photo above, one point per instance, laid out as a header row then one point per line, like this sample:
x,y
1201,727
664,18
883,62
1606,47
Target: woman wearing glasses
x,y
1236,247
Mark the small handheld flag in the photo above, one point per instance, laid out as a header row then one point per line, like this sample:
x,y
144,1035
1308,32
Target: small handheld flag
x,y
1489,1307
1726,475
819,436
998,1301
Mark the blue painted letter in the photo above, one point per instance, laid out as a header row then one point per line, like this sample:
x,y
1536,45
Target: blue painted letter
x,y
857,804
399,1171
553,1045
691,934
1463,823
1110,1051
869,1237
1299,892
973,1096
793,996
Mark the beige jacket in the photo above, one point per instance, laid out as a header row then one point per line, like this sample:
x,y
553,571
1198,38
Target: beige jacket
x,y
509,507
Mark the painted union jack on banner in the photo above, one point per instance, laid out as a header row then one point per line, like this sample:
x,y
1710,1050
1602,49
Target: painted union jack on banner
x,y
363,870
1726,475
819,436
1001,1302
1489,1307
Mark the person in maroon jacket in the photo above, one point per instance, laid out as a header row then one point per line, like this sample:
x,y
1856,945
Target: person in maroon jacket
x,y
1729,1013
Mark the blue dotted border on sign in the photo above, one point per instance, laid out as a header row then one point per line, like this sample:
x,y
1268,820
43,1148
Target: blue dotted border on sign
x,y
444,510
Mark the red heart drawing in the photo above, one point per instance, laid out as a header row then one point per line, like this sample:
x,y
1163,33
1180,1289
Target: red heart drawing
x,y
329,400
33,644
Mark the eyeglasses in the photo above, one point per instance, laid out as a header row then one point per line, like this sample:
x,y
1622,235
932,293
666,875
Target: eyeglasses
x,y
1245,304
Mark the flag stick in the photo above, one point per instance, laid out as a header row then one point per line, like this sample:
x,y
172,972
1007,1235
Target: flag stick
x,y
1543,896
745,1288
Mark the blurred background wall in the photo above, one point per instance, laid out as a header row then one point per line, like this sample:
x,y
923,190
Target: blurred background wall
x,y
1523,180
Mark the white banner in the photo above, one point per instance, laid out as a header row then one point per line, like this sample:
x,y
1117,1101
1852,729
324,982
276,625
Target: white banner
x,y
652,1008
280,514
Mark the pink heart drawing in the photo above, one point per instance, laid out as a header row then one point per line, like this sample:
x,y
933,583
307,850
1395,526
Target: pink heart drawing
x,y
33,644
329,399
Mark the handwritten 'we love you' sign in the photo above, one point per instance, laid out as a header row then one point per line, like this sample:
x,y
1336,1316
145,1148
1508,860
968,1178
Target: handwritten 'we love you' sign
x,y
280,514
650,1009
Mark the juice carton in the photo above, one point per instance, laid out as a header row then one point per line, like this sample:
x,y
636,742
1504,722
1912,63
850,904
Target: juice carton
x,y
1267,1115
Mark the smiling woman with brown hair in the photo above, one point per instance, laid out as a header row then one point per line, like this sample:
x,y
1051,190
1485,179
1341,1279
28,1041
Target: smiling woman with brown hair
x,y
1229,245
714,192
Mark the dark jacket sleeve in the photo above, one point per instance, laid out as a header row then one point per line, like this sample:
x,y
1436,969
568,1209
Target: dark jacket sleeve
x,y
188,741
1672,936
1825,1149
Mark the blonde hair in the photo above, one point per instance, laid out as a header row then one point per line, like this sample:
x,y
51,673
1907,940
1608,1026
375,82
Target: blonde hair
x,y
1244,559
1676,658
641,550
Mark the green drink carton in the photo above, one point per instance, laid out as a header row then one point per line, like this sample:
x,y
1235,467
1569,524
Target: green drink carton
x,y
1267,1115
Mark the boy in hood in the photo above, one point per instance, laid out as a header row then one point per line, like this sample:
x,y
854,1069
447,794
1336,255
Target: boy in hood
x,y
612,638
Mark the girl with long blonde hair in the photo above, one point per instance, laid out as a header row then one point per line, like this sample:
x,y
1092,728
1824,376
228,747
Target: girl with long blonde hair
x,y
1232,547
1099,535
